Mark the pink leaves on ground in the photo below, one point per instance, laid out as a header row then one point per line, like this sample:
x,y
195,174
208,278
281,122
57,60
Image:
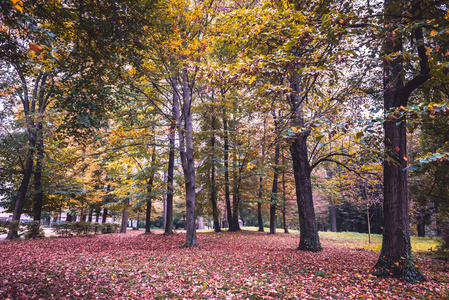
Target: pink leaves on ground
x,y
243,265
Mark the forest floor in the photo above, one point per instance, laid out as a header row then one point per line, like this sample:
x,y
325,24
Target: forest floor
x,y
243,265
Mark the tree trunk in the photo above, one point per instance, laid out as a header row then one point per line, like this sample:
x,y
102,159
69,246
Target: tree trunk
x,y
421,226
226,165
309,239
259,216
171,165
20,199
185,135
105,215
125,215
90,215
149,190
368,220
213,193
234,222
284,198
97,213
395,258
148,217
39,194
274,190
333,213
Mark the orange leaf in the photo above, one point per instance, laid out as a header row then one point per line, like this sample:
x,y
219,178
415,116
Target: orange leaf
x,y
36,47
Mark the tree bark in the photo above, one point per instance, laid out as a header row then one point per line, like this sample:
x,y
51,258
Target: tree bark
x,y
395,259
420,220
105,216
274,190
185,135
90,215
226,165
213,193
149,191
171,165
125,216
284,198
20,199
39,194
309,239
333,213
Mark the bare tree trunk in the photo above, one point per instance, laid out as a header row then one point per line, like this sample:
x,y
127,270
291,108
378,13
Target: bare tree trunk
x,y
226,164
395,259
309,239
39,194
274,190
259,209
213,193
125,215
171,165
20,199
90,215
333,213
187,158
284,198
105,216
149,191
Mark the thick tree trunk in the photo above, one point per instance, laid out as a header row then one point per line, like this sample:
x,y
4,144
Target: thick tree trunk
x,y
125,216
226,165
309,239
171,166
148,217
39,194
213,192
188,161
97,214
20,199
105,216
395,258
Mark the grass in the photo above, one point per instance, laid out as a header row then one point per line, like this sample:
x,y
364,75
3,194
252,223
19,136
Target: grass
x,y
360,240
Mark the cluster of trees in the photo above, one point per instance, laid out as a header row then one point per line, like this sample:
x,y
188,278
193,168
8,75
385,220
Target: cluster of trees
x,y
243,109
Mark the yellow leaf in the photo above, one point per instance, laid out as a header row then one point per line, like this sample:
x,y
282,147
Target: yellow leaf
x,y
293,128
433,32
17,5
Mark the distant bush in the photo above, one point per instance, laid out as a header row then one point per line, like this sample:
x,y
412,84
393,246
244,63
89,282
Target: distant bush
x,y
5,226
63,229
33,230
109,228
67,229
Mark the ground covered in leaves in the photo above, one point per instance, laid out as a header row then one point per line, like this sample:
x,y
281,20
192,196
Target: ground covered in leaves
x,y
244,265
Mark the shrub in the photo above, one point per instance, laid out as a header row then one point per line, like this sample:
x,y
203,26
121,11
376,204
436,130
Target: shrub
x,y
33,230
5,226
109,228
63,229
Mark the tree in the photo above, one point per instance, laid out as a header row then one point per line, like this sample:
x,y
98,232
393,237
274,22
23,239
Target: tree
x,y
396,258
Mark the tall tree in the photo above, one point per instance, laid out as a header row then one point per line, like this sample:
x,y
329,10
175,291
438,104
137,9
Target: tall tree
x,y
396,257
